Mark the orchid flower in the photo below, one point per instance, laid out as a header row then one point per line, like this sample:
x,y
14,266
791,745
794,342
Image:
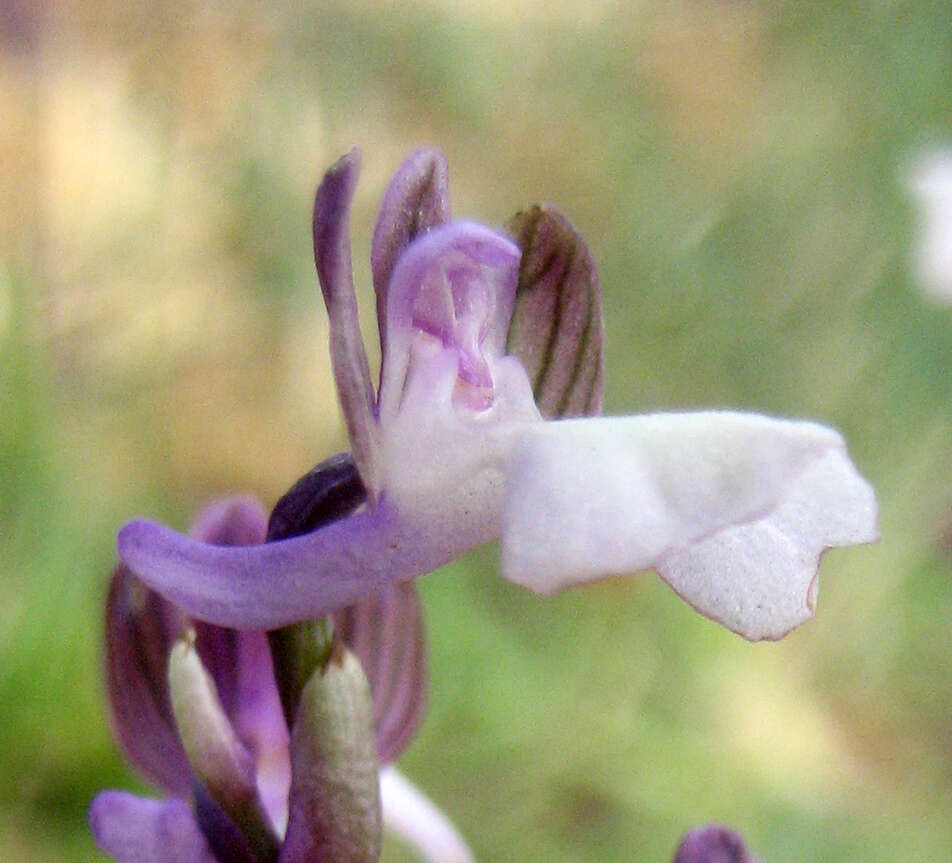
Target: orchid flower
x,y
713,843
213,735
484,340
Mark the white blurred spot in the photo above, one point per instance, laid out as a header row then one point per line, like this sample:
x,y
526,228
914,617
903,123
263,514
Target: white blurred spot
x,y
931,183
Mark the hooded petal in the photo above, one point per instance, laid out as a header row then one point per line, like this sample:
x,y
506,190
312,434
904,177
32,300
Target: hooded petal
x,y
331,228
386,632
409,814
456,285
131,829
417,199
556,329
733,510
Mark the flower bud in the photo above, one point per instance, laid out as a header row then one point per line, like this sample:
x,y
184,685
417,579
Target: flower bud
x,y
335,791
218,759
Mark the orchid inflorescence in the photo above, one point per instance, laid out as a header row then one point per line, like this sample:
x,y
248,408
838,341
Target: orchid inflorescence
x,y
483,426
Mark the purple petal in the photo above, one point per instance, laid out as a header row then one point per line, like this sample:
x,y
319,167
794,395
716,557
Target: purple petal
x,y
416,200
141,627
132,829
332,257
556,328
272,585
335,796
713,844
386,632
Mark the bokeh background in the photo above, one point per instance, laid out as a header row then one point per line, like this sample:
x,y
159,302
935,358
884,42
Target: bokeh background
x,y
739,169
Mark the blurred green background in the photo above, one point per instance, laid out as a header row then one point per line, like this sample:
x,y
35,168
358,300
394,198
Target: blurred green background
x,y
738,168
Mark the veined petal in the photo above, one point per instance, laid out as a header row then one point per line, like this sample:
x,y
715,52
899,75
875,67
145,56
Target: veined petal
x,y
409,814
271,585
733,510
556,329
417,199
331,228
133,829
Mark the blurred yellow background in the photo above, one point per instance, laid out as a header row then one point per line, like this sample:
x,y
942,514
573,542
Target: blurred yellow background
x,y
738,169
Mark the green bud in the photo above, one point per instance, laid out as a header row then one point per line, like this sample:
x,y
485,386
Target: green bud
x,y
335,791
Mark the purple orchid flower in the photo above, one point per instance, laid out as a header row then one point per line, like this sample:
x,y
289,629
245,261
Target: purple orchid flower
x,y
713,843
454,449
212,732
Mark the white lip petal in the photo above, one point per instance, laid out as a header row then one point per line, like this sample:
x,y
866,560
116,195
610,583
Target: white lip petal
x,y
733,510
409,814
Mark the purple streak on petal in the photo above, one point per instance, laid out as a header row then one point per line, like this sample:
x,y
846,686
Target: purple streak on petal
x,y
556,326
332,257
713,843
416,200
132,829
272,585
141,627
386,632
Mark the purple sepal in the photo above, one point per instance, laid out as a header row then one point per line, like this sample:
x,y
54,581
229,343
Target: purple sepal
x,y
416,200
556,328
133,829
386,632
141,627
348,358
713,843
